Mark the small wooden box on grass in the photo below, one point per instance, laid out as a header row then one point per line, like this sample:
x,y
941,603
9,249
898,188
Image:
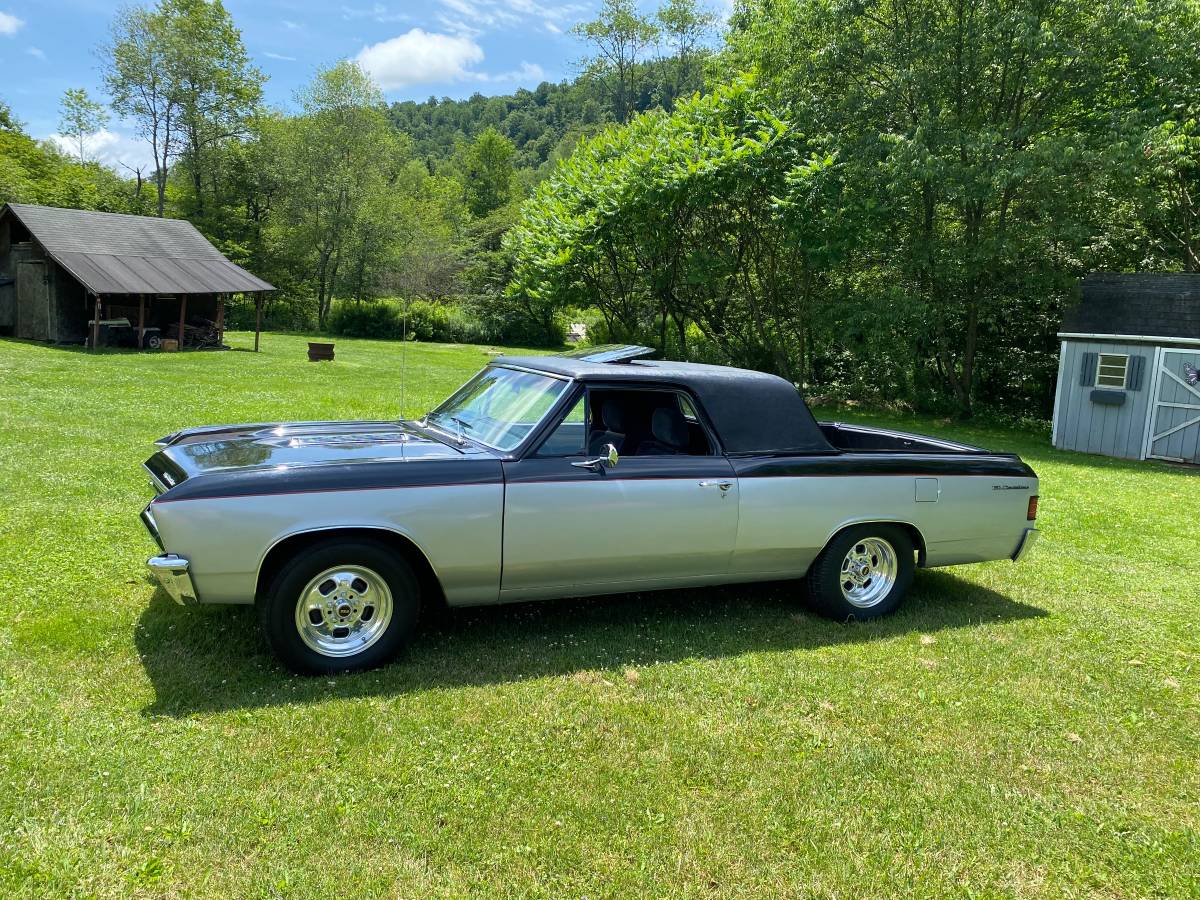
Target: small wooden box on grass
x,y
318,352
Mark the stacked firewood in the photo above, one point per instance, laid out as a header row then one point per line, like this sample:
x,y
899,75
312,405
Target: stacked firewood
x,y
198,333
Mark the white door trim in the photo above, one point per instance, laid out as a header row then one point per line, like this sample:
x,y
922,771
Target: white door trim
x,y
1059,387
1152,412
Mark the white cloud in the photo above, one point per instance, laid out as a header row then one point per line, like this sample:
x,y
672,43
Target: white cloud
x,y
292,26
377,12
459,27
530,73
114,149
269,55
36,52
419,57
484,12
508,13
10,24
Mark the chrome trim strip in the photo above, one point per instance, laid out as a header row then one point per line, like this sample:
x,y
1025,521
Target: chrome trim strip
x,y
147,518
528,369
1028,539
172,574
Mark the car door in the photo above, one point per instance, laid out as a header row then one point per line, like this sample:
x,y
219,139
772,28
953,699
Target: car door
x,y
654,521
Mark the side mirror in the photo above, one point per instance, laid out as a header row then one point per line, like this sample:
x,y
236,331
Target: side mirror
x,y
606,460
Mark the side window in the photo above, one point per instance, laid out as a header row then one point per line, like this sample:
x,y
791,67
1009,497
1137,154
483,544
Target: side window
x,y
1112,370
686,407
570,437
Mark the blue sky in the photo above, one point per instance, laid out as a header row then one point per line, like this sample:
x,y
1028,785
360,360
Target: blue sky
x,y
414,49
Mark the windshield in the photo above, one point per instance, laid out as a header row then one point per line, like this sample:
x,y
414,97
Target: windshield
x,y
498,407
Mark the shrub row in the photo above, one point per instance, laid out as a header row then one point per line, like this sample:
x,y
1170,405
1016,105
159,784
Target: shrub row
x,y
452,323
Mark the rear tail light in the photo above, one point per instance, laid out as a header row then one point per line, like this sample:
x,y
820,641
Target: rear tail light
x,y
1032,512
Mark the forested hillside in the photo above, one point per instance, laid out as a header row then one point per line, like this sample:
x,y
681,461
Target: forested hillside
x,y
543,124
887,202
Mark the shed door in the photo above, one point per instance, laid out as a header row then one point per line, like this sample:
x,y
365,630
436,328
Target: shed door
x,y
1175,416
33,301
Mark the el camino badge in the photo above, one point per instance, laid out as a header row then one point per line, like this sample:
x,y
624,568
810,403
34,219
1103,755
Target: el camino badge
x,y
1010,487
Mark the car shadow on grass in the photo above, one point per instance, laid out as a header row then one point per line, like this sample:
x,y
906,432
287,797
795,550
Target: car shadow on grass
x,y
210,659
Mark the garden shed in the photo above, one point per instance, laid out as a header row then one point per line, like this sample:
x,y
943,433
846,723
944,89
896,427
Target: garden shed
x,y
64,273
1129,368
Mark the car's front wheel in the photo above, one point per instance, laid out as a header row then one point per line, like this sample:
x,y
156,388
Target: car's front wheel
x,y
863,573
341,605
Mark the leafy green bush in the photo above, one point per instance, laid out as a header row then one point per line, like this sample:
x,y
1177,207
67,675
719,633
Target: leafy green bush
x,y
380,319
464,322
281,312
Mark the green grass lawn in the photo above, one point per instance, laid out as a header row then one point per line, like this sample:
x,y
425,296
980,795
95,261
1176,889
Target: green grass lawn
x,y
1024,730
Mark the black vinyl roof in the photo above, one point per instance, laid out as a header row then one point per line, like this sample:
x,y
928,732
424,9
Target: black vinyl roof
x,y
753,412
112,253
1154,305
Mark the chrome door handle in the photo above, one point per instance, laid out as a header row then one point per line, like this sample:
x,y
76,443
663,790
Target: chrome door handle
x,y
723,485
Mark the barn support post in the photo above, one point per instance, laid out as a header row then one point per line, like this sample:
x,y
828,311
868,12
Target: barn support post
x,y
220,319
141,321
257,319
182,317
96,324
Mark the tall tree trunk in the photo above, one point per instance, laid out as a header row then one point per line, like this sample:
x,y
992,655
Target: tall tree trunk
x,y
322,268
160,179
681,330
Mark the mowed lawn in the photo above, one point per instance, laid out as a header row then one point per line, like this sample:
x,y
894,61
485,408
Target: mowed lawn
x,y
1024,730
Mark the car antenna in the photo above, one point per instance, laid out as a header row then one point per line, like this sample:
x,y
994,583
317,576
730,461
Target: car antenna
x,y
403,354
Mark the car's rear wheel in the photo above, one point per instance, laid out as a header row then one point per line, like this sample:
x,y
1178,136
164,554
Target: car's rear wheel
x,y
863,573
341,605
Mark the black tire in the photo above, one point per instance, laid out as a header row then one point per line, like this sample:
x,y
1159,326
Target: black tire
x,y
278,607
825,579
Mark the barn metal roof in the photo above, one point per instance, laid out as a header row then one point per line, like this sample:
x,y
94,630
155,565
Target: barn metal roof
x,y
110,253
1158,305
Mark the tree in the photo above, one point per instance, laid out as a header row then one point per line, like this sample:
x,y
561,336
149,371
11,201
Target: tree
x,y
684,25
217,87
140,76
674,219
39,172
341,163
488,172
8,122
79,117
620,35
181,71
988,137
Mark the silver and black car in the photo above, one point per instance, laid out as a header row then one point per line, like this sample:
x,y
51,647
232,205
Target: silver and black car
x,y
595,472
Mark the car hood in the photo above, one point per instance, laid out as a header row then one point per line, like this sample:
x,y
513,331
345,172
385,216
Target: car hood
x,y
287,445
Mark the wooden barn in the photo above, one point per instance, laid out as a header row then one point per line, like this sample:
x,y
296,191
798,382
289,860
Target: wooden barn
x,y
1129,369
71,275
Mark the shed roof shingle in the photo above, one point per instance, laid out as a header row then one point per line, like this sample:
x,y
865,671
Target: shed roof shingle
x,y
110,253
1137,304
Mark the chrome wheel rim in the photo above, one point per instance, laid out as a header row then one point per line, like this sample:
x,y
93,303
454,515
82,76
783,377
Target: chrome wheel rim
x,y
344,610
869,572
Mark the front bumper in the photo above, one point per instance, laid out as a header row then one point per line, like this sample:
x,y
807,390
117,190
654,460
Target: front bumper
x,y
1028,539
171,571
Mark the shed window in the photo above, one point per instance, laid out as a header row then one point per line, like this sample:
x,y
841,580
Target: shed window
x,y
1112,370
